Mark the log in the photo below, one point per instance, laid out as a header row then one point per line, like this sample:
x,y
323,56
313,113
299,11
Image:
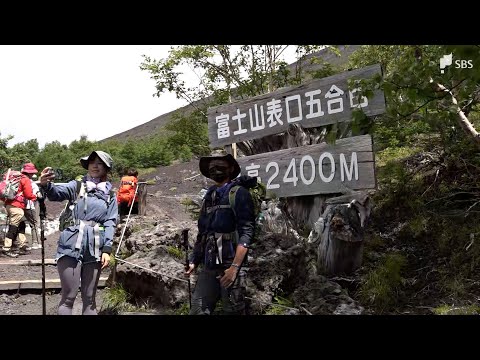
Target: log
x,y
37,284
28,262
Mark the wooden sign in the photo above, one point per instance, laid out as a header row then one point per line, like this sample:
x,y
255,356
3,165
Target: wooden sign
x,y
315,103
315,169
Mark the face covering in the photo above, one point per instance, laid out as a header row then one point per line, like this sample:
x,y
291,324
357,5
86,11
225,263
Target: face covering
x,y
218,173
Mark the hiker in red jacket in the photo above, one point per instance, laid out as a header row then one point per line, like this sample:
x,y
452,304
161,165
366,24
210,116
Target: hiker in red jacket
x,y
15,211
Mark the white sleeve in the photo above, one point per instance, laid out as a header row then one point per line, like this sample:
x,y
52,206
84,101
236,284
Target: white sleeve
x,y
35,188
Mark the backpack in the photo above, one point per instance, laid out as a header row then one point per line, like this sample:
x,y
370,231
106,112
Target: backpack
x,y
258,192
66,218
10,185
126,192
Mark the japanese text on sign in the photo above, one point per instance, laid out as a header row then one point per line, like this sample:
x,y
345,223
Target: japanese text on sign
x,y
317,103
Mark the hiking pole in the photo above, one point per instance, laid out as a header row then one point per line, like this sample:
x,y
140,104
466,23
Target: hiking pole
x,y
128,218
185,243
43,216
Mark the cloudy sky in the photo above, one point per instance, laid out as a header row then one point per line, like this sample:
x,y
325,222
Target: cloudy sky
x,y
61,92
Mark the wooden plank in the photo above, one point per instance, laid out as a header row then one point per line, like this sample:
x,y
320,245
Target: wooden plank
x,y
341,153
308,95
28,262
37,284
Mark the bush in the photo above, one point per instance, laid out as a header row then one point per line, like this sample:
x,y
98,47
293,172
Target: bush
x,y
382,285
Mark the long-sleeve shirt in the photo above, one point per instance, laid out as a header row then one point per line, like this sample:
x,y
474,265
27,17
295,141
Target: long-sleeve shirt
x,y
31,203
95,207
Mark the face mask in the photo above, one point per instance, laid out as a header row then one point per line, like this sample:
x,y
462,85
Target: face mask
x,y
218,173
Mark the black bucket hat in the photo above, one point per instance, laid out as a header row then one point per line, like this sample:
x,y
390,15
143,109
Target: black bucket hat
x,y
102,155
219,155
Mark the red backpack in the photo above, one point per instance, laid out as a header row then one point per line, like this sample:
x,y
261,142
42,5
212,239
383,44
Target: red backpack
x,y
126,192
9,187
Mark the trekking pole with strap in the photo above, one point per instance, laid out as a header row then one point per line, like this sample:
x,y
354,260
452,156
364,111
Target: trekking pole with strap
x,y
185,243
128,218
43,216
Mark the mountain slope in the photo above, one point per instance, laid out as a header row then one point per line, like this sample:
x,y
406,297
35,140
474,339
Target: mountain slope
x,y
155,125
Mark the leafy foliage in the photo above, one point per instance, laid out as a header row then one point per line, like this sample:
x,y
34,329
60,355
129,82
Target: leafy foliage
x,y
427,170
383,283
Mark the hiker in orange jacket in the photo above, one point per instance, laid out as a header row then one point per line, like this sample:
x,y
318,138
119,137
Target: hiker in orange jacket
x,y
126,193
15,211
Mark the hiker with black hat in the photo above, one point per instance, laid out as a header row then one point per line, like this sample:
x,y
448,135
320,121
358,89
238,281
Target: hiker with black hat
x,y
87,228
224,235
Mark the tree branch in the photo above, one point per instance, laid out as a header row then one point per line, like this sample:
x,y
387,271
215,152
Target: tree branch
x,y
427,102
463,121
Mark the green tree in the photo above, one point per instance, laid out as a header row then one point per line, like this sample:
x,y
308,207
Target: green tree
x,y
225,73
189,131
56,155
420,99
5,157
82,147
25,152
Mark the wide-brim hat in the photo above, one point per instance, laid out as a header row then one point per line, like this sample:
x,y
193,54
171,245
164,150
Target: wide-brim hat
x,y
29,168
102,155
219,155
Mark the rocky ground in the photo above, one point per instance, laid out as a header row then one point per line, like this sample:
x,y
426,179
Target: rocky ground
x,y
164,204
280,265
153,256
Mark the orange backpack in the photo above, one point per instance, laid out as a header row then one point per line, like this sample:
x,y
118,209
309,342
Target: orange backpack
x,y
126,192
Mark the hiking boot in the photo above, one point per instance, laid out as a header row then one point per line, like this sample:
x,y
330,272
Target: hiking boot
x,y
10,253
24,251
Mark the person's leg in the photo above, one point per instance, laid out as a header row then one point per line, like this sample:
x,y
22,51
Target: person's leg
x,y
90,276
9,237
69,270
233,298
15,215
30,217
123,209
36,243
206,293
22,239
135,208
